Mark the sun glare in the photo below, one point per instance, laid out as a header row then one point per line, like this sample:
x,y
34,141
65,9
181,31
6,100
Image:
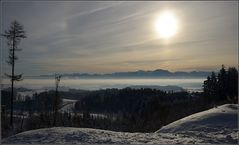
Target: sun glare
x,y
166,25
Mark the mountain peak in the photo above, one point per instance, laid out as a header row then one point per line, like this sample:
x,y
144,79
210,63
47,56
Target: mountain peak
x,y
161,70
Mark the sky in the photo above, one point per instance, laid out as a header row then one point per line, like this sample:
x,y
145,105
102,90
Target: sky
x,y
105,37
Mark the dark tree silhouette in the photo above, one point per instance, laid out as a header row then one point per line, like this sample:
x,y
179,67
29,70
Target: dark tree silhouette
x,y
222,78
213,88
14,35
232,84
55,106
206,86
223,88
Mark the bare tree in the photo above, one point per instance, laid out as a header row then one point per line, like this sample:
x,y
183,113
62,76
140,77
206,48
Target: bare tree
x,y
13,35
55,106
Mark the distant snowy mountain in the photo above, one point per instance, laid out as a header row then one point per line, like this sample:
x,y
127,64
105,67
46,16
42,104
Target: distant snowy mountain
x,y
136,74
214,126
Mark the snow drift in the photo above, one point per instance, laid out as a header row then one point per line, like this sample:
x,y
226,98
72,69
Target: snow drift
x,y
217,125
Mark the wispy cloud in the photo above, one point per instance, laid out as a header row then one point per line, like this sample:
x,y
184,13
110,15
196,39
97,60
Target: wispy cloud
x,y
117,36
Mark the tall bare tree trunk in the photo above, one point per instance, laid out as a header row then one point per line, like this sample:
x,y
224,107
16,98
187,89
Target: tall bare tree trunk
x,y
57,79
12,79
55,106
13,35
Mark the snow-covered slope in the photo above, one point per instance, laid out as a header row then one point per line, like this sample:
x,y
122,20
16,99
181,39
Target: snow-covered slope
x,y
217,125
69,135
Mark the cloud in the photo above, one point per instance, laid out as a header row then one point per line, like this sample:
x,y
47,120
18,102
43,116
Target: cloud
x,y
116,36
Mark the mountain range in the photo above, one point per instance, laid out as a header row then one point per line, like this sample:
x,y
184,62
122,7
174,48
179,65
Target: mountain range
x,y
158,73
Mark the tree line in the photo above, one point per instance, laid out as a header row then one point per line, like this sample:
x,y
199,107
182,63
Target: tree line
x,y
222,87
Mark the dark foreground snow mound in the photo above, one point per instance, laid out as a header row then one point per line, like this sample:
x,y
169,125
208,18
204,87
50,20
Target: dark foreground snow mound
x,y
218,125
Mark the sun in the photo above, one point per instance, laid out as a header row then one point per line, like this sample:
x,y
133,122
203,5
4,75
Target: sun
x,y
166,24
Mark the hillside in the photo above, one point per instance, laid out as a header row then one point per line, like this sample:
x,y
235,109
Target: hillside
x,y
217,125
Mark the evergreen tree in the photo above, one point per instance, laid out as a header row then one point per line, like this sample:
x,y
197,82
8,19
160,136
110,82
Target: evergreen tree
x,y
232,84
222,78
206,86
222,88
213,87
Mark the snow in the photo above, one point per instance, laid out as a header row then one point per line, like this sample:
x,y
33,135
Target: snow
x,y
68,135
217,125
68,105
68,100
